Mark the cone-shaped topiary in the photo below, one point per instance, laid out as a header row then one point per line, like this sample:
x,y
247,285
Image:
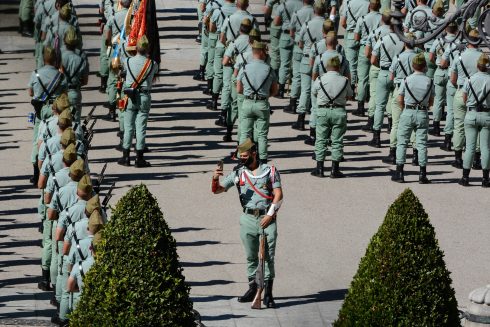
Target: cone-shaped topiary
x,y
136,279
402,279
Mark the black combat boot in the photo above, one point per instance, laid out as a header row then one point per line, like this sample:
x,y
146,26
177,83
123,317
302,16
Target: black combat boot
x,y
250,293
369,125
21,26
140,161
319,171
27,28
53,300
199,75
465,180
390,124
376,141
312,138
436,128
361,111
458,159
112,112
415,157
335,173
477,161
280,93
268,297
35,174
391,158
399,176
263,161
485,181
423,176
227,137
209,89
291,107
199,31
300,123
44,284
56,319
119,147
124,161
446,146
221,121
213,103
103,84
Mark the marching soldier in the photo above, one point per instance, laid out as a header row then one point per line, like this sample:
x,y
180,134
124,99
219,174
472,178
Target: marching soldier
x,y
259,187
139,80
270,13
26,25
43,10
476,96
257,82
416,96
331,91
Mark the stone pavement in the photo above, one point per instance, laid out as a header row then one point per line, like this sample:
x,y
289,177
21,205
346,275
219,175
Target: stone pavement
x,y
324,224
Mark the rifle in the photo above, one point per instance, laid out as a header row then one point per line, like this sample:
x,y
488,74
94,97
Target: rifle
x,y
108,196
88,118
259,275
88,130
99,179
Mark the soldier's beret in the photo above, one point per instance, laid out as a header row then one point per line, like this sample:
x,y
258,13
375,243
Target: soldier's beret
x,y
245,146
70,153
92,204
419,59
387,12
246,22
331,34
65,118
68,137
375,2
333,62
410,36
474,34
77,169
319,4
143,42
244,2
327,25
258,45
49,54
484,60
65,12
62,102
254,33
438,7
85,184
71,37
95,222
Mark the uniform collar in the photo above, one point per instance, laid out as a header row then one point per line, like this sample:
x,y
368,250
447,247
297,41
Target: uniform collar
x,y
332,72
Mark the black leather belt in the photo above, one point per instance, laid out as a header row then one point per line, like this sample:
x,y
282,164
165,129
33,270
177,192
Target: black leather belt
x,y
479,109
255,97
408,106
286,31
255,212
72,87
384,68
306,55
397,84
331,106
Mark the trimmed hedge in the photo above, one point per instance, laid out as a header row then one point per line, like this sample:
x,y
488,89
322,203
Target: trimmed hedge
x,y
402,279
136,279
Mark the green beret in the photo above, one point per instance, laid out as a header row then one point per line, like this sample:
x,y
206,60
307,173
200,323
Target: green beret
x,y
483,60
438,7
419,59
333,62
387,12
327,25
245,146
85,184
254,33
331,34
258,45
62,102
65,118
474,34
92,204
246,22
49,54
319,4
68,137
143,43
77,169
95,222
70,153
65,12
71,37
410,36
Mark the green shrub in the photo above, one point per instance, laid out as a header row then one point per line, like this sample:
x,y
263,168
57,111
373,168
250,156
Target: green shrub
x,y
136,279
402,279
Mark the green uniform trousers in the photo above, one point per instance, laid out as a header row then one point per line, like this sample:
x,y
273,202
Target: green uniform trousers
x,y
431,67
47,244
74,299
61,265
232,115
459,111
396,111
296,76
412,120
135,120
250,232
373,80
26,10
275,34
203,54
384,91
46,112
112,94
450,92
385,4
254,119
351,49
330,123
226,90
53,269
440,83
477,123
304,103
103,59
65,295
363,66
213,38
314,108
75,98
286,44
218,67
38,54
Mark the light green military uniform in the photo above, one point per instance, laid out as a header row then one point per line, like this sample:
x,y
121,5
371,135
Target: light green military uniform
x,y
298,19
311,32
450,54
43,10
26,8
75,66
136,113
352,10
266,179
275,34
401,67
440,75
109,11
385,49
415,116
365,26
241,50
257,78
78,271
477,119
464,66
331,91
286,42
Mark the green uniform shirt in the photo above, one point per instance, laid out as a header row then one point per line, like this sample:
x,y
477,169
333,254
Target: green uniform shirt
x,y
259,77
366,25
377,34
231,26
481,85
420,86
53,162
47,73
336,86
73,213
42,11
67,197
465,64
212,5
451,52
401,66
311,32
265,181
246,57
59,29
286,11
387,48
80,241
116,23
80,269
52,144
274,5
219,15
240,45
440,45
48,128
75,66
352,10
62,177
135,65
320,65
321,46
300,17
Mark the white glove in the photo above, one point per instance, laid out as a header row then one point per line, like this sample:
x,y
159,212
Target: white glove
x,y
332,18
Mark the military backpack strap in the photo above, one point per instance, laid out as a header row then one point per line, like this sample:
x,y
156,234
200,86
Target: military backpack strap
x,y
142,75
48,91
414,97
322,65
82,273
463,67
77,242
256,91
231,28
401,65
350,12
384,49
330,99
309,33
287,12
365,25
70,76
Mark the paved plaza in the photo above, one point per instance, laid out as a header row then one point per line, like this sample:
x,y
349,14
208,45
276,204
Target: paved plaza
x,y
324,225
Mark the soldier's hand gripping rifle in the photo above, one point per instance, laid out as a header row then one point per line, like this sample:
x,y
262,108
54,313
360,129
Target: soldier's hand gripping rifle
x,y
108,196
259,275
99,179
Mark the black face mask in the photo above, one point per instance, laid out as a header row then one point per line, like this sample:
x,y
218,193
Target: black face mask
x,y
247,162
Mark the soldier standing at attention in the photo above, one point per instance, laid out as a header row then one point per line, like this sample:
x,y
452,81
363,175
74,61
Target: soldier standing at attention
x,y
331,91
260,191
476,96
416,96
140,72
257,82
